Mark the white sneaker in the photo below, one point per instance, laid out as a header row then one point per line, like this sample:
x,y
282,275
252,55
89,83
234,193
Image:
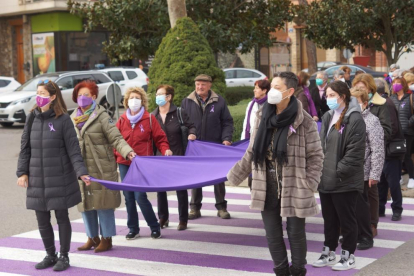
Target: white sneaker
x,y
347,262
327,258
401,181
410,184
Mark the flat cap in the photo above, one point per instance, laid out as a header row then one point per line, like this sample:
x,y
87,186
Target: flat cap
x,y
203,77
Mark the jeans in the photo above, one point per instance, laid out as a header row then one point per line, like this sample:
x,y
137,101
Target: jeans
x,y
143,203
182,197
274,233
219,192
364,214
339,213
103,220
390,178
47,234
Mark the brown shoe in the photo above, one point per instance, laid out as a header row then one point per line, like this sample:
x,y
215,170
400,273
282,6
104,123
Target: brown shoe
x,y
90,243
194,214
223,214
164,223
374,231
182,226
105,245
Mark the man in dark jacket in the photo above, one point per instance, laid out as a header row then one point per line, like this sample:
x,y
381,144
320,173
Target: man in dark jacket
x,y
318,93
214,123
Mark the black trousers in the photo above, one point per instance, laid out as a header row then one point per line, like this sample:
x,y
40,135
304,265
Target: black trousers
x,y
364,214
46,231
182,197
408,162
339,214
390,178
219,192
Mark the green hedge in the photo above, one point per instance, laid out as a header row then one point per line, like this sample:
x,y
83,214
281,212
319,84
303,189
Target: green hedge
x,y
238,112
236,94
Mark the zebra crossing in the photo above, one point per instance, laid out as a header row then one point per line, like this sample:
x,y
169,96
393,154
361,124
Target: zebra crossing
x,y
210,246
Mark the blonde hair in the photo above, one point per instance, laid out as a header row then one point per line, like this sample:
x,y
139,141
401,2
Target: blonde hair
x,y
361,93
366,79
409,77
139,91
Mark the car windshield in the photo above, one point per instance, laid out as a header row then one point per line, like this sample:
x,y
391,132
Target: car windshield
x,y
31,85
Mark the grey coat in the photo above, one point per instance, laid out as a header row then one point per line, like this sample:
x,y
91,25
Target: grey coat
x,y
52,161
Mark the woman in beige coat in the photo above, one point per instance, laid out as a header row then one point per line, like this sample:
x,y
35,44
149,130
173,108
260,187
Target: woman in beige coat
x,y
98,136
285,158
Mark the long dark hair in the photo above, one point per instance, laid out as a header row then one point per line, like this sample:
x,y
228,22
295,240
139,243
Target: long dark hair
x,y
342,89
58,105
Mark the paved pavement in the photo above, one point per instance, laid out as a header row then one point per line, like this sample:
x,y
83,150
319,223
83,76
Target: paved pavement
x,y
210,246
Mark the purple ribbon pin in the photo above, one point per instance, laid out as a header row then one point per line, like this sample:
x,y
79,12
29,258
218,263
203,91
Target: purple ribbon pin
x,y
292,129
342,129
142,128
212,109
402,105
51,127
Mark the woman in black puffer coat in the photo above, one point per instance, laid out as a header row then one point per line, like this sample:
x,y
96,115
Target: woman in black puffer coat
x,y
50,163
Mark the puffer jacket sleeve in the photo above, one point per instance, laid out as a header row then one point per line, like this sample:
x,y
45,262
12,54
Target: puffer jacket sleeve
x,y
25,151
314,156
242,169
376,141
159,136
72,147
188,123
113,135
354,148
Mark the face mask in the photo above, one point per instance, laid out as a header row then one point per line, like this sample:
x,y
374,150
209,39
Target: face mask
x,y
362,107
370,96
397,87
134,104
160,100
84,101
319,82
411,87
308,83
333,103
390,74
275,96
343,80
42,101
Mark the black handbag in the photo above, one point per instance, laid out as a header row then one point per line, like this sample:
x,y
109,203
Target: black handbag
x,y
396,148
184,129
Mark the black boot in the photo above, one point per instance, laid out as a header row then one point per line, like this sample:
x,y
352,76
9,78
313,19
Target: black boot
x,y
282,271
295,271
48,261
62,263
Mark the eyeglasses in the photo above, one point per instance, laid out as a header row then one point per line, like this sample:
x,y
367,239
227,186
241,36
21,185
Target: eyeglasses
x,y
43,82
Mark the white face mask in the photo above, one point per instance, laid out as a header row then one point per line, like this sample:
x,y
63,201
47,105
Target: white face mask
x,y
362,107
411,87
275,96
343,80
134,104
308,83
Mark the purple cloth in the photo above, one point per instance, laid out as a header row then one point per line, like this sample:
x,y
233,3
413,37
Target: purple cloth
x,y
319,126
133,119
204,164
312,108
248,126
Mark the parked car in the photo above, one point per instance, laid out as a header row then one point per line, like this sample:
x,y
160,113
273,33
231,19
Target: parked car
x,y
15,106
324,65
8,84
242,76
128,76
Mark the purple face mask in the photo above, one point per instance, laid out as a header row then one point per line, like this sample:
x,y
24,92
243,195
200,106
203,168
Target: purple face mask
x,y
84,101
42,101
396,87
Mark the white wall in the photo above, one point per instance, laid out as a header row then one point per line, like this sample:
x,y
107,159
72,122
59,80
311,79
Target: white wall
x,y
12,7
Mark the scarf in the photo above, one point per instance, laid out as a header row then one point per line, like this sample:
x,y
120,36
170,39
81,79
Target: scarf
x,y
81,117
248,126
133,119
270,122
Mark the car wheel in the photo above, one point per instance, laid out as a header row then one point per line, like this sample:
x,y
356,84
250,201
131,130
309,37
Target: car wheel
x,y
6,124
109,109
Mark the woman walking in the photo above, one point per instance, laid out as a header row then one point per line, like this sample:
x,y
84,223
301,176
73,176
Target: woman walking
x,y
50,163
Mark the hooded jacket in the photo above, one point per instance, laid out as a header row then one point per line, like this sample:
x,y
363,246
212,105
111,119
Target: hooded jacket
x,y
379,108
405,114
343,166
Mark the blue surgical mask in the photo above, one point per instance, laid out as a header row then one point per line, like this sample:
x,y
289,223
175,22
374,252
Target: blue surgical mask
x,y
319,82
370,97
160,100
333,103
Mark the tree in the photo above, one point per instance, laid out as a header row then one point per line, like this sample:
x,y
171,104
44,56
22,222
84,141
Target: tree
x,y
384,25
310,47
137,26
176,10
182,55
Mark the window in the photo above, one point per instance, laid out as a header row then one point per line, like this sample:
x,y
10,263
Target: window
x,y
65,83
80,78
131,75
4,83
116,75
230,74
101,78
244,74
255,75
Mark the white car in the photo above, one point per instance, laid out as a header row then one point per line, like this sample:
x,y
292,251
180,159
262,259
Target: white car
x,y
242,76
8,84
16,105
127,77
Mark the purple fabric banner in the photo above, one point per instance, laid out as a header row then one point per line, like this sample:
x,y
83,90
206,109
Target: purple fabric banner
x,y
204,164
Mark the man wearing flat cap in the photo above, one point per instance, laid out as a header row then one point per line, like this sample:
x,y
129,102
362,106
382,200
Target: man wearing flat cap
x,y
213,122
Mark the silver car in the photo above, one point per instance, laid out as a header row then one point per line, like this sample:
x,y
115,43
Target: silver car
x,y
242,76
16,105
